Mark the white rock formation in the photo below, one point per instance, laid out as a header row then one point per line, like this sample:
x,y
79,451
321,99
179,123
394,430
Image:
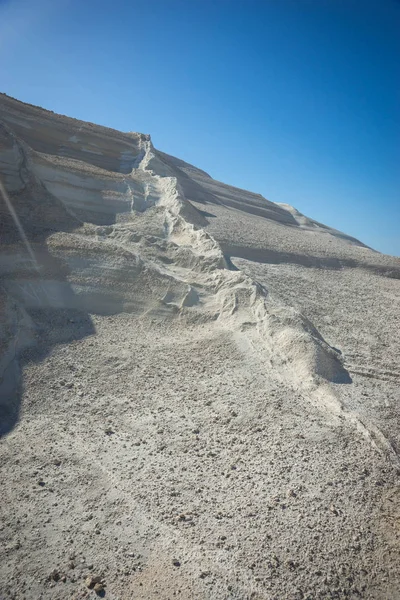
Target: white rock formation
x,y
137,293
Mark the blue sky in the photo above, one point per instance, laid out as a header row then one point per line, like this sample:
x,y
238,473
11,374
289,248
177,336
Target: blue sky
x,y
295,99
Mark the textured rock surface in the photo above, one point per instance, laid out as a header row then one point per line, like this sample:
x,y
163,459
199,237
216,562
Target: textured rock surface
x,y
199,387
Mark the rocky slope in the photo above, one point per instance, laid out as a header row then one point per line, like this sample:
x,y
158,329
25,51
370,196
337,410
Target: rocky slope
x,y
198,386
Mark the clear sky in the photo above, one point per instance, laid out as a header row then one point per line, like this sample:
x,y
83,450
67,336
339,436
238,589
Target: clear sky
x,y
295,99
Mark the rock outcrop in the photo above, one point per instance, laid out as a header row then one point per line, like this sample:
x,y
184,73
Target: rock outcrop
x,y
113,225
213,374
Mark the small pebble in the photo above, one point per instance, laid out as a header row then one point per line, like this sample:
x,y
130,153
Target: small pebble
x,y
98,588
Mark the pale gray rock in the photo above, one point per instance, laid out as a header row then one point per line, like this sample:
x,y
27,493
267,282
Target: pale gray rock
x,y
197,375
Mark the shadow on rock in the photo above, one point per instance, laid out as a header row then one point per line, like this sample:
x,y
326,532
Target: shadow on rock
x,y
38,307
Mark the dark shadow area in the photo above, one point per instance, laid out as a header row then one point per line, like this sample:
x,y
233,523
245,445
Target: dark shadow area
x,y
38,308
268,256
265,255
229,263
206,214
342,376
52,327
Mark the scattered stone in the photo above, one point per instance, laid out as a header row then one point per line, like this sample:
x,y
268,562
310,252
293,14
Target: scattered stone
x,y
98,588
93,580
204,574
176,563
15,546
55,575
41,483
